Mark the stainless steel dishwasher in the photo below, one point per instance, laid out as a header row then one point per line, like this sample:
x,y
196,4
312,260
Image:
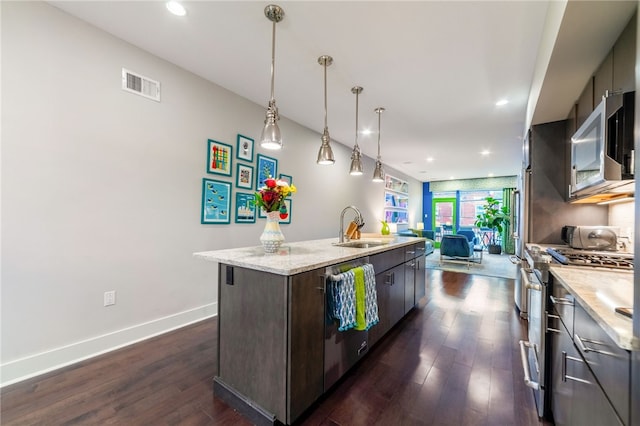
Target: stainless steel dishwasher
x,y
342,349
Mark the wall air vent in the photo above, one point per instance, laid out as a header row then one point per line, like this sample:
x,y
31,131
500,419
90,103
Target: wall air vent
x,y
141,85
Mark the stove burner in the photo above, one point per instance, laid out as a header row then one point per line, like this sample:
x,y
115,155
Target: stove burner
x,y
594,259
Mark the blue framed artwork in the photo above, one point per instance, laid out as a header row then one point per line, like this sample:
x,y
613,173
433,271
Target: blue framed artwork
x,y
287,179
219,158
216,202
244,176
245,208
266,167
287,202
244,148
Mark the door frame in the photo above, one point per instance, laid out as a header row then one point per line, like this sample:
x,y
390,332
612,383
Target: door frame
x,y
454,219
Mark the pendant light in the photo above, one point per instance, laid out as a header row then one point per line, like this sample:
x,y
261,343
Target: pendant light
x,y
356,164
271,137
378,173
325,154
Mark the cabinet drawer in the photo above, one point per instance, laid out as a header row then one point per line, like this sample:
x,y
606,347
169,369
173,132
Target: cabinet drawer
x,y
387,260
413,251
562,303
610,364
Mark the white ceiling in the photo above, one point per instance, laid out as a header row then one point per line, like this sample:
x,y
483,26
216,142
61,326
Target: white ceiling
x,y
437,67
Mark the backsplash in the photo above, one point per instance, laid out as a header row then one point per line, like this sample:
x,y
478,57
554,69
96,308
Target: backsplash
x,y
623,215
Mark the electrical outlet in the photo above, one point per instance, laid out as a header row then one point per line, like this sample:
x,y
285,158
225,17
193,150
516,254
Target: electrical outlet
x,y
109,298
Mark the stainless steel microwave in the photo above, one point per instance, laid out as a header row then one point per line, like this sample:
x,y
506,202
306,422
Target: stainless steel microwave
x,y
602,150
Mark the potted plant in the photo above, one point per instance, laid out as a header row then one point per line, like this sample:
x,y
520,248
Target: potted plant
x,y
495,218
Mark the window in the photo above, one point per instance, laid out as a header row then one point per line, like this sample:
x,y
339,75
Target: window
x,y
471,203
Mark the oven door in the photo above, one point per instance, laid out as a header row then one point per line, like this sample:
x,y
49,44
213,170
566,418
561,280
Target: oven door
x,y
532,352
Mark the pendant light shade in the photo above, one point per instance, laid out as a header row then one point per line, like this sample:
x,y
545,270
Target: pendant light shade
x,y
271,137
378,173
356,163
325,154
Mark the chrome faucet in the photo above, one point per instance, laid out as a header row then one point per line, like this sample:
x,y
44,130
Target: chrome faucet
x,y
359,221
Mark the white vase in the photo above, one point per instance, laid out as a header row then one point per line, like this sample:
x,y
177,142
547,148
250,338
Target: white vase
x,y
272,238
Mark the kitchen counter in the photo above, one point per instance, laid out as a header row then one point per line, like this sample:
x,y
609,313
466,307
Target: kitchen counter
x,y
599,292
303,256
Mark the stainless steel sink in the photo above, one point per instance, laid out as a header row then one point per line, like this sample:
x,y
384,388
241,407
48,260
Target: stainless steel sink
x,y
361,244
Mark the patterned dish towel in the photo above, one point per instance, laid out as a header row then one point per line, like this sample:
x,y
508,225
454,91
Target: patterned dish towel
x,y
352,298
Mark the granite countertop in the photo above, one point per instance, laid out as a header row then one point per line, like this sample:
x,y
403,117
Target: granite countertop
x,y
298,257
599,292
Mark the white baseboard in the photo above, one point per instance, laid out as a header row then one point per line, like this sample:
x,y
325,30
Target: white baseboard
x,y
34,365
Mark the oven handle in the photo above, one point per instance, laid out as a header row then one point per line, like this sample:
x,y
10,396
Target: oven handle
x,y
528,284
524,346
551,329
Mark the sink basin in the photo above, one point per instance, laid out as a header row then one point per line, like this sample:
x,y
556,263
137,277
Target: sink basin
x,y
362,244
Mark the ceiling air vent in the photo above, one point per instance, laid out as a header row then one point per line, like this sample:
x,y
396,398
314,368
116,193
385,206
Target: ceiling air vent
x,y
141,85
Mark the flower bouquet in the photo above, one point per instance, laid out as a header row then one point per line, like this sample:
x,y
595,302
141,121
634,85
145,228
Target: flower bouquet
x,y
271,197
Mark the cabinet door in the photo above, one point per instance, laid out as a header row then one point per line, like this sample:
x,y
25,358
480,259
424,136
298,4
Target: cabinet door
x,y
585,103
624,59
421,279
561,389
382,288
409,285
396,294
306,337
603,79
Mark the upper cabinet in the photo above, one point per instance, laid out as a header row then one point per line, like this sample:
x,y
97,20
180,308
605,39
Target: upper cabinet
x,y
396,200
616,73
624,59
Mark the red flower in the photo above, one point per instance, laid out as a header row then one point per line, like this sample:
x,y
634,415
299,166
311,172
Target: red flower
x,y
270,182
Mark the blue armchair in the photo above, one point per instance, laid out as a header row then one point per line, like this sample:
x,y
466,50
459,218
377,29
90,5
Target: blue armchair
x,y
456,248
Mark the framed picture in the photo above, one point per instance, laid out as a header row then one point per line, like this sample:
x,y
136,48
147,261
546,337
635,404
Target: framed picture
x,y
219,158
287,202
245,209
244,148
286,178
216,201
266,167
244,176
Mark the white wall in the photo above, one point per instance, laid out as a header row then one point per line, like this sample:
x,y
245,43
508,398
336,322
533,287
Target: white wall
x,y
101,191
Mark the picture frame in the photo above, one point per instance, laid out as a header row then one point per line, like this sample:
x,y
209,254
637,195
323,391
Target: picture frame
x,y
265,167
219,157
287,202
245,208
216,202
244,176
244,148
286,178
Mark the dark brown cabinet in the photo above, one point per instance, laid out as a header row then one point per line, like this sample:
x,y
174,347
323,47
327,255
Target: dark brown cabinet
x,y
624,58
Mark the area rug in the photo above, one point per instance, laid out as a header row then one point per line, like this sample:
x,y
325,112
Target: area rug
x,y
493,265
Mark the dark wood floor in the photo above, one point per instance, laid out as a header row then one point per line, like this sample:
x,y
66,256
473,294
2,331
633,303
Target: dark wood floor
x,y
452,361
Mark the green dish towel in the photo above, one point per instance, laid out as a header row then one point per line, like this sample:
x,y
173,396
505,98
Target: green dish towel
x,y
361,322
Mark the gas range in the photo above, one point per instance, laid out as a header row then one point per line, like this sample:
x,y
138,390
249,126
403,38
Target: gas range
x,y
601,259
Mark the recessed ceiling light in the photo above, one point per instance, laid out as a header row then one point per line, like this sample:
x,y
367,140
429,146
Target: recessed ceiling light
x,y
366,131
502,102
451,178
176,8
430,159
490,175
485,152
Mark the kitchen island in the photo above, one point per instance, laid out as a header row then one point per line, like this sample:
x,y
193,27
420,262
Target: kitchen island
x,y
277,352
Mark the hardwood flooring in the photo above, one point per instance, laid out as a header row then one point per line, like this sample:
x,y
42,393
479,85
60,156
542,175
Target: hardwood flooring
x,y
452,361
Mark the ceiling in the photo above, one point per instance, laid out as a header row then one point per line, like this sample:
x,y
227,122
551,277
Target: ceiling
x,y
437,67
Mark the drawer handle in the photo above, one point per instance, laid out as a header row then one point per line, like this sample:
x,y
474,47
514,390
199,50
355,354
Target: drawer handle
x,y
580,343
561,301
565,357
553,330
524,346
390,279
